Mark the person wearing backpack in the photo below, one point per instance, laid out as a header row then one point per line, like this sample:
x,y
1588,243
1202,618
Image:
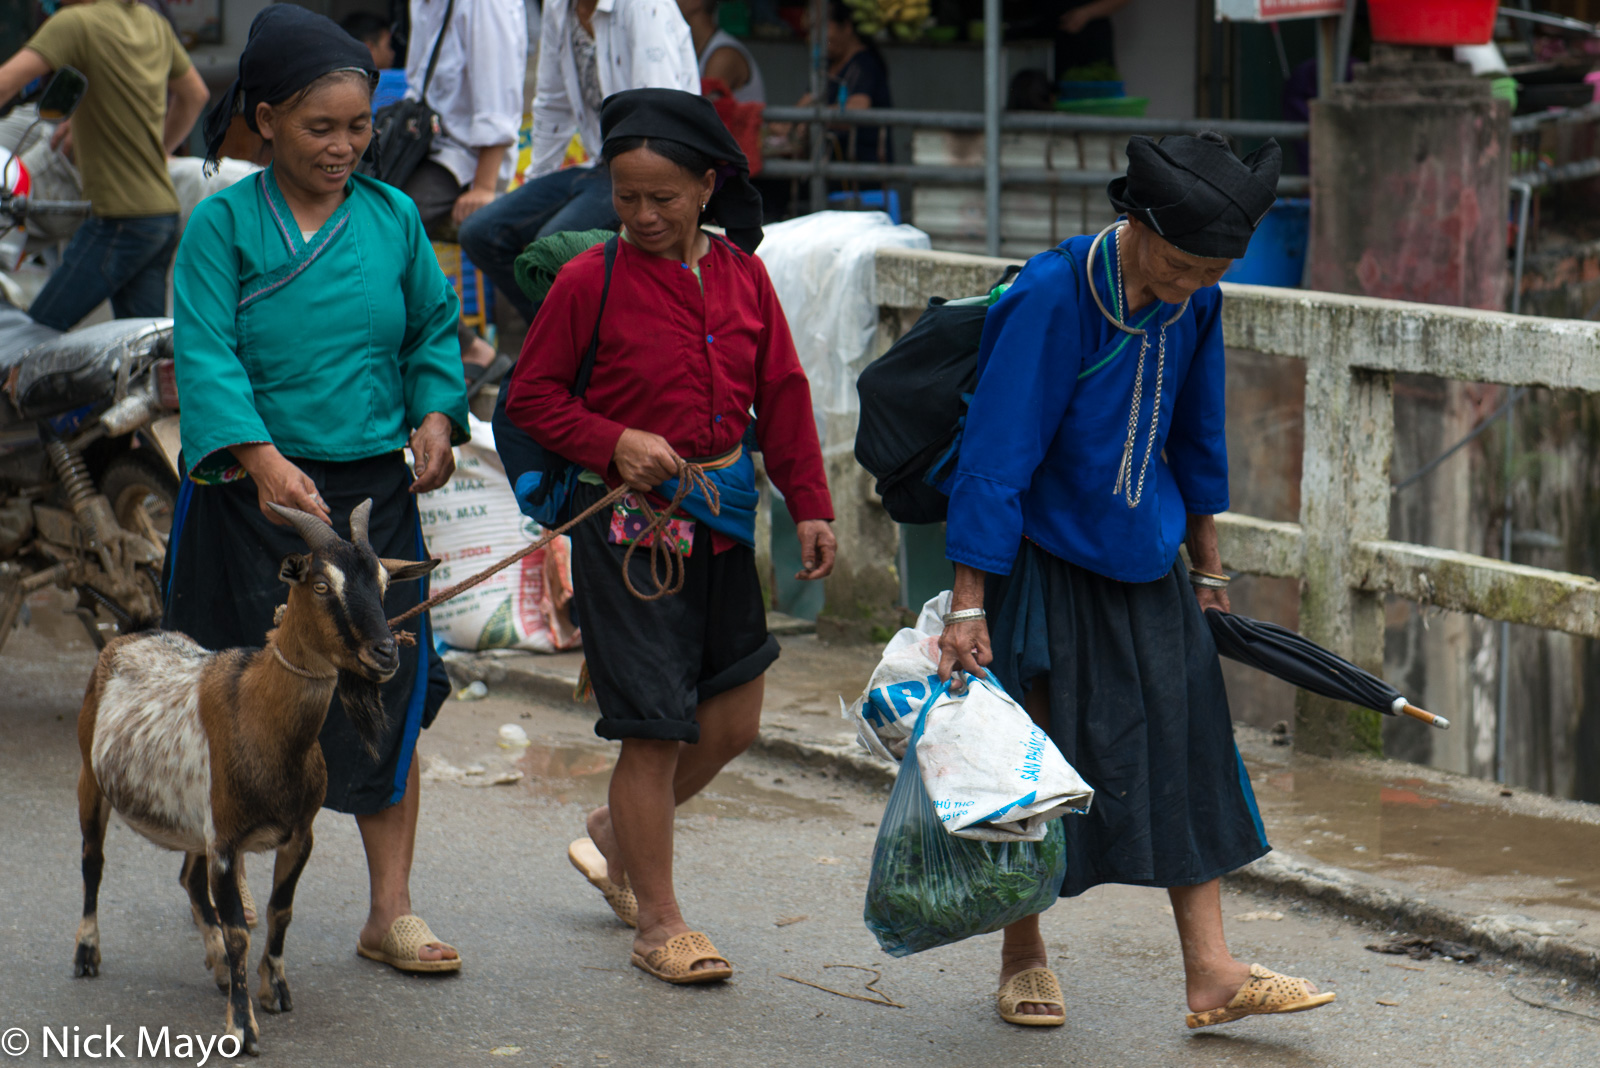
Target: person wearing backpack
x,y
684,336
1093,447
588,50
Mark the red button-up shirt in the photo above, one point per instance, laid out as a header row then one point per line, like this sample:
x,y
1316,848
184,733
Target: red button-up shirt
x,y
675,361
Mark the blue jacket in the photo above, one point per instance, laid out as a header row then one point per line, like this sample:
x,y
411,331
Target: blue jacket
x,y
1049,420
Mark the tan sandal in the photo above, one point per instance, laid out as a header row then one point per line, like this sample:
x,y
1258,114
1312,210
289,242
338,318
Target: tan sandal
x,y
252,918
402,947
1264,993
674,961
1034,986
591,863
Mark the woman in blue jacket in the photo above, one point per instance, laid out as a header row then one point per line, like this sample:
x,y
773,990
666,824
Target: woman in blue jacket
x,y
1094,448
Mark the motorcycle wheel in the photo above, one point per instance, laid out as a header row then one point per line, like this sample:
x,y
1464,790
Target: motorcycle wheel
x,y
143,494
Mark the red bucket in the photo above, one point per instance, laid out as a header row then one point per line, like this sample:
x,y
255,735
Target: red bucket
x,y
1434,23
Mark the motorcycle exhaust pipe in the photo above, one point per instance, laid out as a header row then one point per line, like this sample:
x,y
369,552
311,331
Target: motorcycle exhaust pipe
x,y
130,413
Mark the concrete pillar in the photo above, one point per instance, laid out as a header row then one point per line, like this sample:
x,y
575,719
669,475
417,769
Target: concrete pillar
x,y
1410,164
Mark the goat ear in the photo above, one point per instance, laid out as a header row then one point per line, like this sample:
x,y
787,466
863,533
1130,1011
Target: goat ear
x,y
295,569
406,571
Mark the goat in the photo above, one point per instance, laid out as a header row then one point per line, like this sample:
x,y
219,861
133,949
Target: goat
x,y
216,754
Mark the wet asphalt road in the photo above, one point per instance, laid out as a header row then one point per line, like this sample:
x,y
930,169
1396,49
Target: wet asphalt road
x,y
772,864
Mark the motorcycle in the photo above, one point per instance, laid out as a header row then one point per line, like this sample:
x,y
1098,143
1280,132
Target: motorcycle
x,y
86,492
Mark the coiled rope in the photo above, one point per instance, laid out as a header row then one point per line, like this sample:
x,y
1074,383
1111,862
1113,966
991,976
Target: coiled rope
x,y
666,556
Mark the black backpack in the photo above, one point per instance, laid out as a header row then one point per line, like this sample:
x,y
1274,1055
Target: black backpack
x,y
403,132
914,406
543,480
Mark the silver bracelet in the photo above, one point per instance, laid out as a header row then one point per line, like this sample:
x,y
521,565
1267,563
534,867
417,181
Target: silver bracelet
x,y
965,615
1207,582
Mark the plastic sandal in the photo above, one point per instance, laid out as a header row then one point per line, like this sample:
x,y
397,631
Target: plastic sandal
x,y
1264,993
488,374
407,935
587,858
252,918
1034,986
674,961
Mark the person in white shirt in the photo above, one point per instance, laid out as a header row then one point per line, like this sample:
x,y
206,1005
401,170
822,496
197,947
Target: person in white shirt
x,y
588,50
476,91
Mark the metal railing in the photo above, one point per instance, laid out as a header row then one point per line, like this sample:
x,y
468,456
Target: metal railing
x,y
820,118
1340,549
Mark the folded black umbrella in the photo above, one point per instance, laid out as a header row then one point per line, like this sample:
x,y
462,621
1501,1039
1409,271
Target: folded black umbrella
x,y
1303,663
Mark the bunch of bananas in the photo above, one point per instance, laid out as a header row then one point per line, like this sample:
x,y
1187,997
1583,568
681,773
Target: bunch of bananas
x,y
903,18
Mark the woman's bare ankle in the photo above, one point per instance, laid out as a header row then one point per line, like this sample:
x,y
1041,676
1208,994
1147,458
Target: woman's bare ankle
x,y
604,838
1214,986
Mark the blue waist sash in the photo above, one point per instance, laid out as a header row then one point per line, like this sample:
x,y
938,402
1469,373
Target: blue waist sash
x,y
737,485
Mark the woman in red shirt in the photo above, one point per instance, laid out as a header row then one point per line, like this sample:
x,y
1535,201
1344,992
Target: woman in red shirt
x,y
691,341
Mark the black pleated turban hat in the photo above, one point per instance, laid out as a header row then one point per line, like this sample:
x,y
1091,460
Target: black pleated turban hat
x,y
288,49
674,115
1196,193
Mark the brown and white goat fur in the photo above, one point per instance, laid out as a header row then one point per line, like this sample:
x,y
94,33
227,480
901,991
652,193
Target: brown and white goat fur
x,y
216,754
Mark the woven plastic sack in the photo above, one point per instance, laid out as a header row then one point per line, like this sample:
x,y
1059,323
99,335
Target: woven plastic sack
x,y
470,523
929,888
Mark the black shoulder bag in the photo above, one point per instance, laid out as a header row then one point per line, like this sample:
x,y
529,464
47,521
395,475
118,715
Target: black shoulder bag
x,y
403,132
542,480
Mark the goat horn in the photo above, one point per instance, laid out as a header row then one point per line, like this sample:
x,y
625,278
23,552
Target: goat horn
x,y
316,533
359,518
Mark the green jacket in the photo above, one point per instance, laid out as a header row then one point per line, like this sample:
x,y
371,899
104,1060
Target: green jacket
x,y
334,348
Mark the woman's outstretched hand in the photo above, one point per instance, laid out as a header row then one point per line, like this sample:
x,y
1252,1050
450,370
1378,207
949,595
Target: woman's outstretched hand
x,y
280,482
817,549
431,456
644,460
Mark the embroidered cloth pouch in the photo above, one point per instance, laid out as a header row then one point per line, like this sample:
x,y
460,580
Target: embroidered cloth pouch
x,y
628,526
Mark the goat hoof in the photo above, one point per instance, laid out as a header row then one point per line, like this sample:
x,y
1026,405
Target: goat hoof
x,y
274,995
86,962
251,1046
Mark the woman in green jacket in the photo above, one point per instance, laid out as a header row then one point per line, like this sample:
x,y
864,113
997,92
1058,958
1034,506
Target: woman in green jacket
x,y
315,339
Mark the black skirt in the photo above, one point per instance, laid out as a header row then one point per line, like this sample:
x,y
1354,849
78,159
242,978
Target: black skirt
x,y
1138,707
653,663
223,588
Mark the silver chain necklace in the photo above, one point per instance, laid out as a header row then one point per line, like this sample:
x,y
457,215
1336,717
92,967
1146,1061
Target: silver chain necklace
x,y
1131,490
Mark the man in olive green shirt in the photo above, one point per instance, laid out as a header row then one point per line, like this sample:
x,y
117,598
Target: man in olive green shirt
x,y
121,137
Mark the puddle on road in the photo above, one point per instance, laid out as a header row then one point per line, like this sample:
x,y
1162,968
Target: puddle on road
x,y
581,774
1400,829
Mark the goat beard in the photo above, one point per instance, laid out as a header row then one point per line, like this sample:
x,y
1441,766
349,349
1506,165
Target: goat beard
x,y
362,700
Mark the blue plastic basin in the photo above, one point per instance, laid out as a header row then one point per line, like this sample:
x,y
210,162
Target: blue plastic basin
x,y
1277,254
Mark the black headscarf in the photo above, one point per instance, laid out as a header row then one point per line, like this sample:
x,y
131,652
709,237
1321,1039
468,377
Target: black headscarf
x,y
289,48
674,115
1196,193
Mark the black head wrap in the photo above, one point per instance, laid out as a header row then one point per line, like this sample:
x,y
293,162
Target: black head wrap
x,y
674,115
289,48
1196,193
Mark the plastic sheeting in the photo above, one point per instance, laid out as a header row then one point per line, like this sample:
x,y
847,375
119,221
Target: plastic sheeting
x,y
823,269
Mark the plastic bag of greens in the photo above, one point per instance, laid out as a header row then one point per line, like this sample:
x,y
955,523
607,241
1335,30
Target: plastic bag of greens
x,y
929,888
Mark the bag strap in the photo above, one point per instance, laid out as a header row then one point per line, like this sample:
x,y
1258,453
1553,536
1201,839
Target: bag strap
x,y
586,365
433,60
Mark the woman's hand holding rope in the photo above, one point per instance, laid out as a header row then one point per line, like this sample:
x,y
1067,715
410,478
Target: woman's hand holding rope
x,y
644,460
